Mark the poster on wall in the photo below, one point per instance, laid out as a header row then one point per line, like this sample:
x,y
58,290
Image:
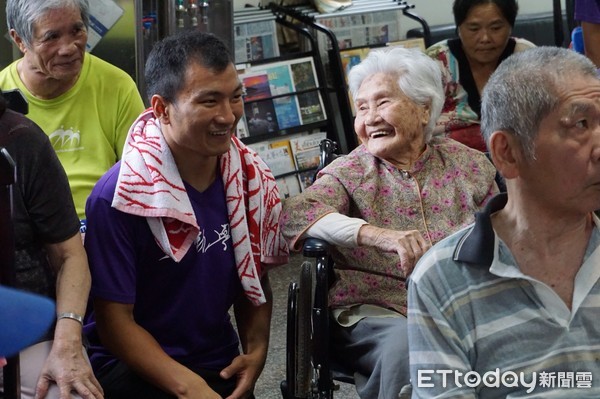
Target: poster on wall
x,y
103,15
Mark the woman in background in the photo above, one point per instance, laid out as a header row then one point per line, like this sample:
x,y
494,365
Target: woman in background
x,y
484,40
587,12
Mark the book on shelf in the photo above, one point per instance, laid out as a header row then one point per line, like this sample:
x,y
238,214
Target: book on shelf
x,y
278,76
310,103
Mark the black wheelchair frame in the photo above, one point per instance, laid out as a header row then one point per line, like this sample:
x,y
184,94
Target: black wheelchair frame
x,y
308,366
309,370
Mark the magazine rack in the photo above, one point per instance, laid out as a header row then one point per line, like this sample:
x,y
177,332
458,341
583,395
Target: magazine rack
x,y
288,110
308,17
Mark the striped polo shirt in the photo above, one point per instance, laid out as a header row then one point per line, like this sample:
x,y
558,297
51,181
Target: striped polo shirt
x,y
480,328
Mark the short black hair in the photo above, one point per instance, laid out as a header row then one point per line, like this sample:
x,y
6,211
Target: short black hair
x,y
508,8
169,58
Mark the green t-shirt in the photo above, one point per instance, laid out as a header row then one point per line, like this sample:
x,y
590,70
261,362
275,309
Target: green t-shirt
x,y
88,124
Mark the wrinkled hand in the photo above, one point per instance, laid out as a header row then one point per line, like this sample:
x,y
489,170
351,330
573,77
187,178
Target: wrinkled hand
x,y
247,369
70,370
410,245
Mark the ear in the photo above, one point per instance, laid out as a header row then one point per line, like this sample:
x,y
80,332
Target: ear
x,y
506,154
160,108
18,41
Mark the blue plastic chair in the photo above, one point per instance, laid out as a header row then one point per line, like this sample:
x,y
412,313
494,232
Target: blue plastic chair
x,y
577,40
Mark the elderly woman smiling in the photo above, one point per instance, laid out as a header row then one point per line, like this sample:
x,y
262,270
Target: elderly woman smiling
x,y
383,205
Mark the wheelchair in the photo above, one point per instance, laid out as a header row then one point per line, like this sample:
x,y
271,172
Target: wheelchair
x,y
308,367
311,370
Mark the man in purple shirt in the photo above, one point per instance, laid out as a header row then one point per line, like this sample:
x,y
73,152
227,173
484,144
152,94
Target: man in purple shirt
x,y
166,272
588,13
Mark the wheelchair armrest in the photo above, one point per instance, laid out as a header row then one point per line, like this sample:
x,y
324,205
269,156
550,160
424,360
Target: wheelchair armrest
x,y
315,247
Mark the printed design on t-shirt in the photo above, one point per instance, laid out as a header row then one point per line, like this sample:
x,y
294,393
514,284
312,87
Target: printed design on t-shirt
x,y
202,241
65,140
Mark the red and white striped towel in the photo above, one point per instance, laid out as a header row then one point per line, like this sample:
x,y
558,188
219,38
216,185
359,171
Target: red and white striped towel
x,y
149,185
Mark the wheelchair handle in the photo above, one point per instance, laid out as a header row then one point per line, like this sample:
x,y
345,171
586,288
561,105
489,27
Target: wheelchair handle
x,y
315,247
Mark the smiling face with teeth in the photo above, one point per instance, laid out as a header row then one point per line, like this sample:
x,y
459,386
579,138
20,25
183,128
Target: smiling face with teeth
x,y
390,124
203,116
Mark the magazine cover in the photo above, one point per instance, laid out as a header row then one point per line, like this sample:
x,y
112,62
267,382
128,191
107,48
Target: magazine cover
x,y
351,58
279,76
311,107
287,111
255,40
260,117
241,130
288,186
280,82
256,86
304,74
306,150
305,179
409,43
277,155
279,160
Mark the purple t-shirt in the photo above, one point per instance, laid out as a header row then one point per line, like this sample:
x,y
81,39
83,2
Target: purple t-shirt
x,y
587,10
183,305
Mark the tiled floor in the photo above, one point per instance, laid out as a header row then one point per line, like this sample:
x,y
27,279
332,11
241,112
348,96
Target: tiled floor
x,y
268,384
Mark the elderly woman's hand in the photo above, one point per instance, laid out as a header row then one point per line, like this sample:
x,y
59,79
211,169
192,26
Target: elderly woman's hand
x,y
410,245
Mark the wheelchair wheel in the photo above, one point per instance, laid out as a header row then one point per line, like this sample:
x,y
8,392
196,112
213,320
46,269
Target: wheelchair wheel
x,y
303,333
288,386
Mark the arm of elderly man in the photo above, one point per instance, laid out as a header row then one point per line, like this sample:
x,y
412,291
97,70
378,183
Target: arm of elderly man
x,y
66,364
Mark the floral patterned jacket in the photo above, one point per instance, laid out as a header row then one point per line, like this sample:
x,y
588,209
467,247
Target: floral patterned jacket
x,y
438,196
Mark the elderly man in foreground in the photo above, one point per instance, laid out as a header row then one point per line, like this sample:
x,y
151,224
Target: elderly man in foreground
x,y
508,307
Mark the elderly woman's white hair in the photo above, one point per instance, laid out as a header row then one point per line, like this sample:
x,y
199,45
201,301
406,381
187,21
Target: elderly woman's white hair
x,y
419,78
